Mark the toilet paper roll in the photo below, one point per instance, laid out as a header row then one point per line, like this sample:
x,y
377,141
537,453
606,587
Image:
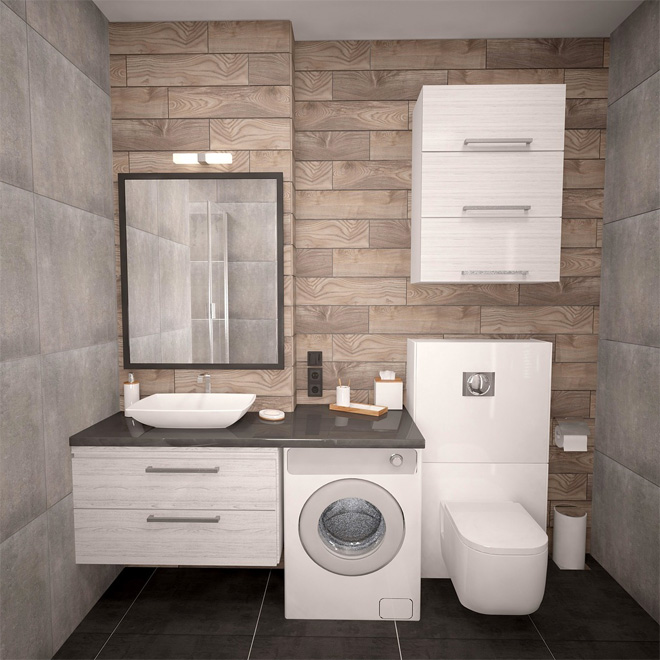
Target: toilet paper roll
x,y
571,435
569,538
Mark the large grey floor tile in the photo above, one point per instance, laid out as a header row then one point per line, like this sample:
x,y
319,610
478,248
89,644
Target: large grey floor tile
x,y
628,416
624,536
634,49
632,168
25,628
631,280
79,31
22,459
19,300
81,646
70,131
474,649
74,587
324,648
15,140
79,389
605,650
17,6
143,282
76,269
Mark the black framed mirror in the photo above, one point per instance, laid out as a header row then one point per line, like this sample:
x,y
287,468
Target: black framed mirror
x,y
202,270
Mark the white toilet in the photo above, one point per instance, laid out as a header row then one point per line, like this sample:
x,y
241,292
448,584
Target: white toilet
x,y
496,555
483,407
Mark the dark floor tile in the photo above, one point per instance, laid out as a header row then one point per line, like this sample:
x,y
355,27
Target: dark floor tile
x,y
198,601
176,647
443,616
114,603
272,621
81,646
477,649
605,650
325,648
589,606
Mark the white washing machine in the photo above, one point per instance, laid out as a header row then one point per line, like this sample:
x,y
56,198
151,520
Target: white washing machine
x,y
352,533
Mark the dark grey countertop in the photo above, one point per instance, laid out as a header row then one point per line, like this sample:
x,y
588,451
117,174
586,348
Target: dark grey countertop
x,y
308,426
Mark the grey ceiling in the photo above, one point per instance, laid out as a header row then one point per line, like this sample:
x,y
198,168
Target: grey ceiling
x,y
395,19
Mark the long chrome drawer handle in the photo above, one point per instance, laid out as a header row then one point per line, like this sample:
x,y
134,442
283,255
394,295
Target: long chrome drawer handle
x,y
182,470
518,207
494,272
498,140
167,519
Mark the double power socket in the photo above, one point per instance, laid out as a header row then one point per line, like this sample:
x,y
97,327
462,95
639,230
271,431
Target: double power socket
x,y
314,373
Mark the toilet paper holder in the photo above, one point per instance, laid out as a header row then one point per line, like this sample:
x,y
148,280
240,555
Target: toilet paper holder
x,y
571,435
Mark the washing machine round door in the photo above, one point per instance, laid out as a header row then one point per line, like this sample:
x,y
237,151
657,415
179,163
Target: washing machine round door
x,y
351,527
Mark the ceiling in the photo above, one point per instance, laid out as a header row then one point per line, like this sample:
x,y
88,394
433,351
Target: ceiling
x,y
395,19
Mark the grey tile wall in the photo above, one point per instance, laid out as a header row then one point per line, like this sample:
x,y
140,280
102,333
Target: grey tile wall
x,y
629,284
76,29
253,341
252,290
632,167
142,204
22,459
19,299
634,50
15,135
75,252
25,594
144,282
71,136
58,346
174,285
247,221
626,488
176,345
625,523
146,349
79,389
173,210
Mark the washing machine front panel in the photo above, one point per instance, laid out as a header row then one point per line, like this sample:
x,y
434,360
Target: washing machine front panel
x,y
352,527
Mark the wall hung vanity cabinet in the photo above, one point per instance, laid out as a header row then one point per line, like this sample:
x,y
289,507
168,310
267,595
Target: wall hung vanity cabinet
x,y
177,506
487,183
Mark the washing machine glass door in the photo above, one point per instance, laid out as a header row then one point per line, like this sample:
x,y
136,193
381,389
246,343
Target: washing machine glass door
x,y
351,527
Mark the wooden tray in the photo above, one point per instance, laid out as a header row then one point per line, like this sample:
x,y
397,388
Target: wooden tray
x,y
363,409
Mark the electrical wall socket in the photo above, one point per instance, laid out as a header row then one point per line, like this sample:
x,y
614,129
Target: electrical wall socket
x,y
314,381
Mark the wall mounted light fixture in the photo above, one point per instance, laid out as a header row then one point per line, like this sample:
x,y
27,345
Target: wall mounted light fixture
x,y
213,158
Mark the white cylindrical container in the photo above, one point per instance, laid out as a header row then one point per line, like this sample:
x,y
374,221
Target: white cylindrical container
x,y
343,395
131,393
569,538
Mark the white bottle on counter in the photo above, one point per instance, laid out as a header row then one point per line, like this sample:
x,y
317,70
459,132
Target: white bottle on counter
x,y
131,393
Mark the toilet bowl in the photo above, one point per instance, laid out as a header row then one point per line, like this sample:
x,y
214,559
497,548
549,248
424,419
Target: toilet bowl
x,y
496,555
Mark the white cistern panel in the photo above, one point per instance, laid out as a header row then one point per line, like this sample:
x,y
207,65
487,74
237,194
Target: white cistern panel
x,y
479,401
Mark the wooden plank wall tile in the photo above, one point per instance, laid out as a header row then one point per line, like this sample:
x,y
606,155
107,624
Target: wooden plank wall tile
x,y
232,86
171,93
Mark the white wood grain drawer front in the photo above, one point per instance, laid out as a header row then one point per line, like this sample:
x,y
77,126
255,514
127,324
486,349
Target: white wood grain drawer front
x,y
490,249
172,537
453,184
493,117
171,479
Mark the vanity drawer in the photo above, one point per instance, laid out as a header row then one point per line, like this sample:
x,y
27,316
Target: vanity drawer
x,y
528,185
161,479
489,249
197,537
452,114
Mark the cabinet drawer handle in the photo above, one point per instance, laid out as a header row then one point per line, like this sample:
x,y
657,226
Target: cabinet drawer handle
x,y
167,519
182,470
518,207
498,140
494,272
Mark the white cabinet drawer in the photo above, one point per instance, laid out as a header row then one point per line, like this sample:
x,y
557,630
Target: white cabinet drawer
x,y
450,182
489,250
196,537
162,479
452,114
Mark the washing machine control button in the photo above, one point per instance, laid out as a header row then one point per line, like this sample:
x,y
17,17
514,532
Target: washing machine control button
x,y
396,460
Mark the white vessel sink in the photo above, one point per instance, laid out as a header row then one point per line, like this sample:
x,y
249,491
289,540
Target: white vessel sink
x,y
191,411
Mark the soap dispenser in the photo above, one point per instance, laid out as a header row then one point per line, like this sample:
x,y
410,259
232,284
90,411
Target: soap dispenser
x,y
131,393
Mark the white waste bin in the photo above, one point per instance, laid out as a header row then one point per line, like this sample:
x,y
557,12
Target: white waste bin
x,y
569,537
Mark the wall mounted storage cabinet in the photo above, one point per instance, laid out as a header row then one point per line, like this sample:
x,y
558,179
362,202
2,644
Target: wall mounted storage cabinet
x,y
487,183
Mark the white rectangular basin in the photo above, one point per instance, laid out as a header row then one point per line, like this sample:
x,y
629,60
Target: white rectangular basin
x,y
191,411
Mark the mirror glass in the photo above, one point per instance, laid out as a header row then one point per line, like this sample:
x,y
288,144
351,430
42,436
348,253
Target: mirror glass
x,y
202,273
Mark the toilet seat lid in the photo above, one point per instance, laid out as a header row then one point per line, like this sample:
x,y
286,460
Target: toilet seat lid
x,y
497,528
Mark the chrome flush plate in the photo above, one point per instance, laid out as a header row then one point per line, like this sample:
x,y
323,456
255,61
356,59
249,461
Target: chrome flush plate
x,y
478,383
